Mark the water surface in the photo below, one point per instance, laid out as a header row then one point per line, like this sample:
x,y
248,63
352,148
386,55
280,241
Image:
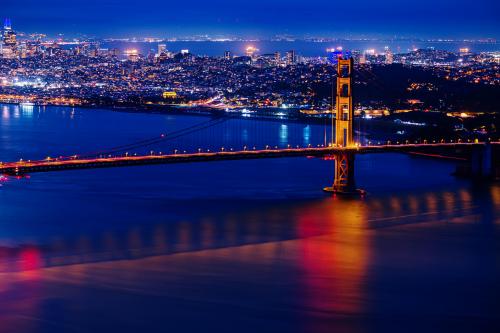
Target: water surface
x,y
246,246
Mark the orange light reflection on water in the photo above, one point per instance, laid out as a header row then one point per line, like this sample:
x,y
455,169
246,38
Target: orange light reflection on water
x,y
335,263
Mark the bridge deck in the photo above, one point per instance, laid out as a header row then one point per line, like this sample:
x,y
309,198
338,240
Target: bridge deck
x,y
24,167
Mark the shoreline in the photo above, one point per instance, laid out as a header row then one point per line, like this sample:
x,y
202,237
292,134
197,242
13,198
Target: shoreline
x,y
260,114
373,129
292,114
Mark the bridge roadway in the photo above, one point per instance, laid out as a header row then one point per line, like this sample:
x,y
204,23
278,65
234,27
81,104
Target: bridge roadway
x,y
27,167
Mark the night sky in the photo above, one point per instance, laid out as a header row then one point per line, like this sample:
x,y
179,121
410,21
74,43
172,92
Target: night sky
x,y
257,18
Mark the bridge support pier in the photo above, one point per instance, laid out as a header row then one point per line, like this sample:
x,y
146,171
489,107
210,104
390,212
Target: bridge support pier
x,y
344,182
481,164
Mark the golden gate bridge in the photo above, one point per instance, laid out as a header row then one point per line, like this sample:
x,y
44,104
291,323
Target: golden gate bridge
x,y
478,159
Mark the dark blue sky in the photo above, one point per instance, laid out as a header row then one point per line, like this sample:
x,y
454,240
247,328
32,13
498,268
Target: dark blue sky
x,y
257,18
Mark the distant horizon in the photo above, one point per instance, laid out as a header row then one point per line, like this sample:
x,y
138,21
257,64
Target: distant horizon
x,y
228,37
261,19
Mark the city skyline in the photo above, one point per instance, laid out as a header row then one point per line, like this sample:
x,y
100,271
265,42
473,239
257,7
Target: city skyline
x,y
363,19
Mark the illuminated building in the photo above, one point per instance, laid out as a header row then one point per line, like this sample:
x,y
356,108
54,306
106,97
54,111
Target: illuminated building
x,y
9,49
227,55
389,56
132,55
291,57
169,94
162,48
464,51
356,55
92,52
9,36
277,57
23,50
370,52
114,52
334,54
362,59
185,51
251,51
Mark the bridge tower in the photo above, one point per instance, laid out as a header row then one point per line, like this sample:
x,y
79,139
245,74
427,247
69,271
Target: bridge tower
x,y
342,123
344,112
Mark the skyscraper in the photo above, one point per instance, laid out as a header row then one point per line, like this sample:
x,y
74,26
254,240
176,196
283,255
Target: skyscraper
x,y
227,55
277,57
389,57
9,40
290,57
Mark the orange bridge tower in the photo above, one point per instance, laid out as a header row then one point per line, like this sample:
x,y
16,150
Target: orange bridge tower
x,y
342,123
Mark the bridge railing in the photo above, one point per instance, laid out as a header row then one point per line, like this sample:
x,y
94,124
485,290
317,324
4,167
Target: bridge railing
x,y
377,145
